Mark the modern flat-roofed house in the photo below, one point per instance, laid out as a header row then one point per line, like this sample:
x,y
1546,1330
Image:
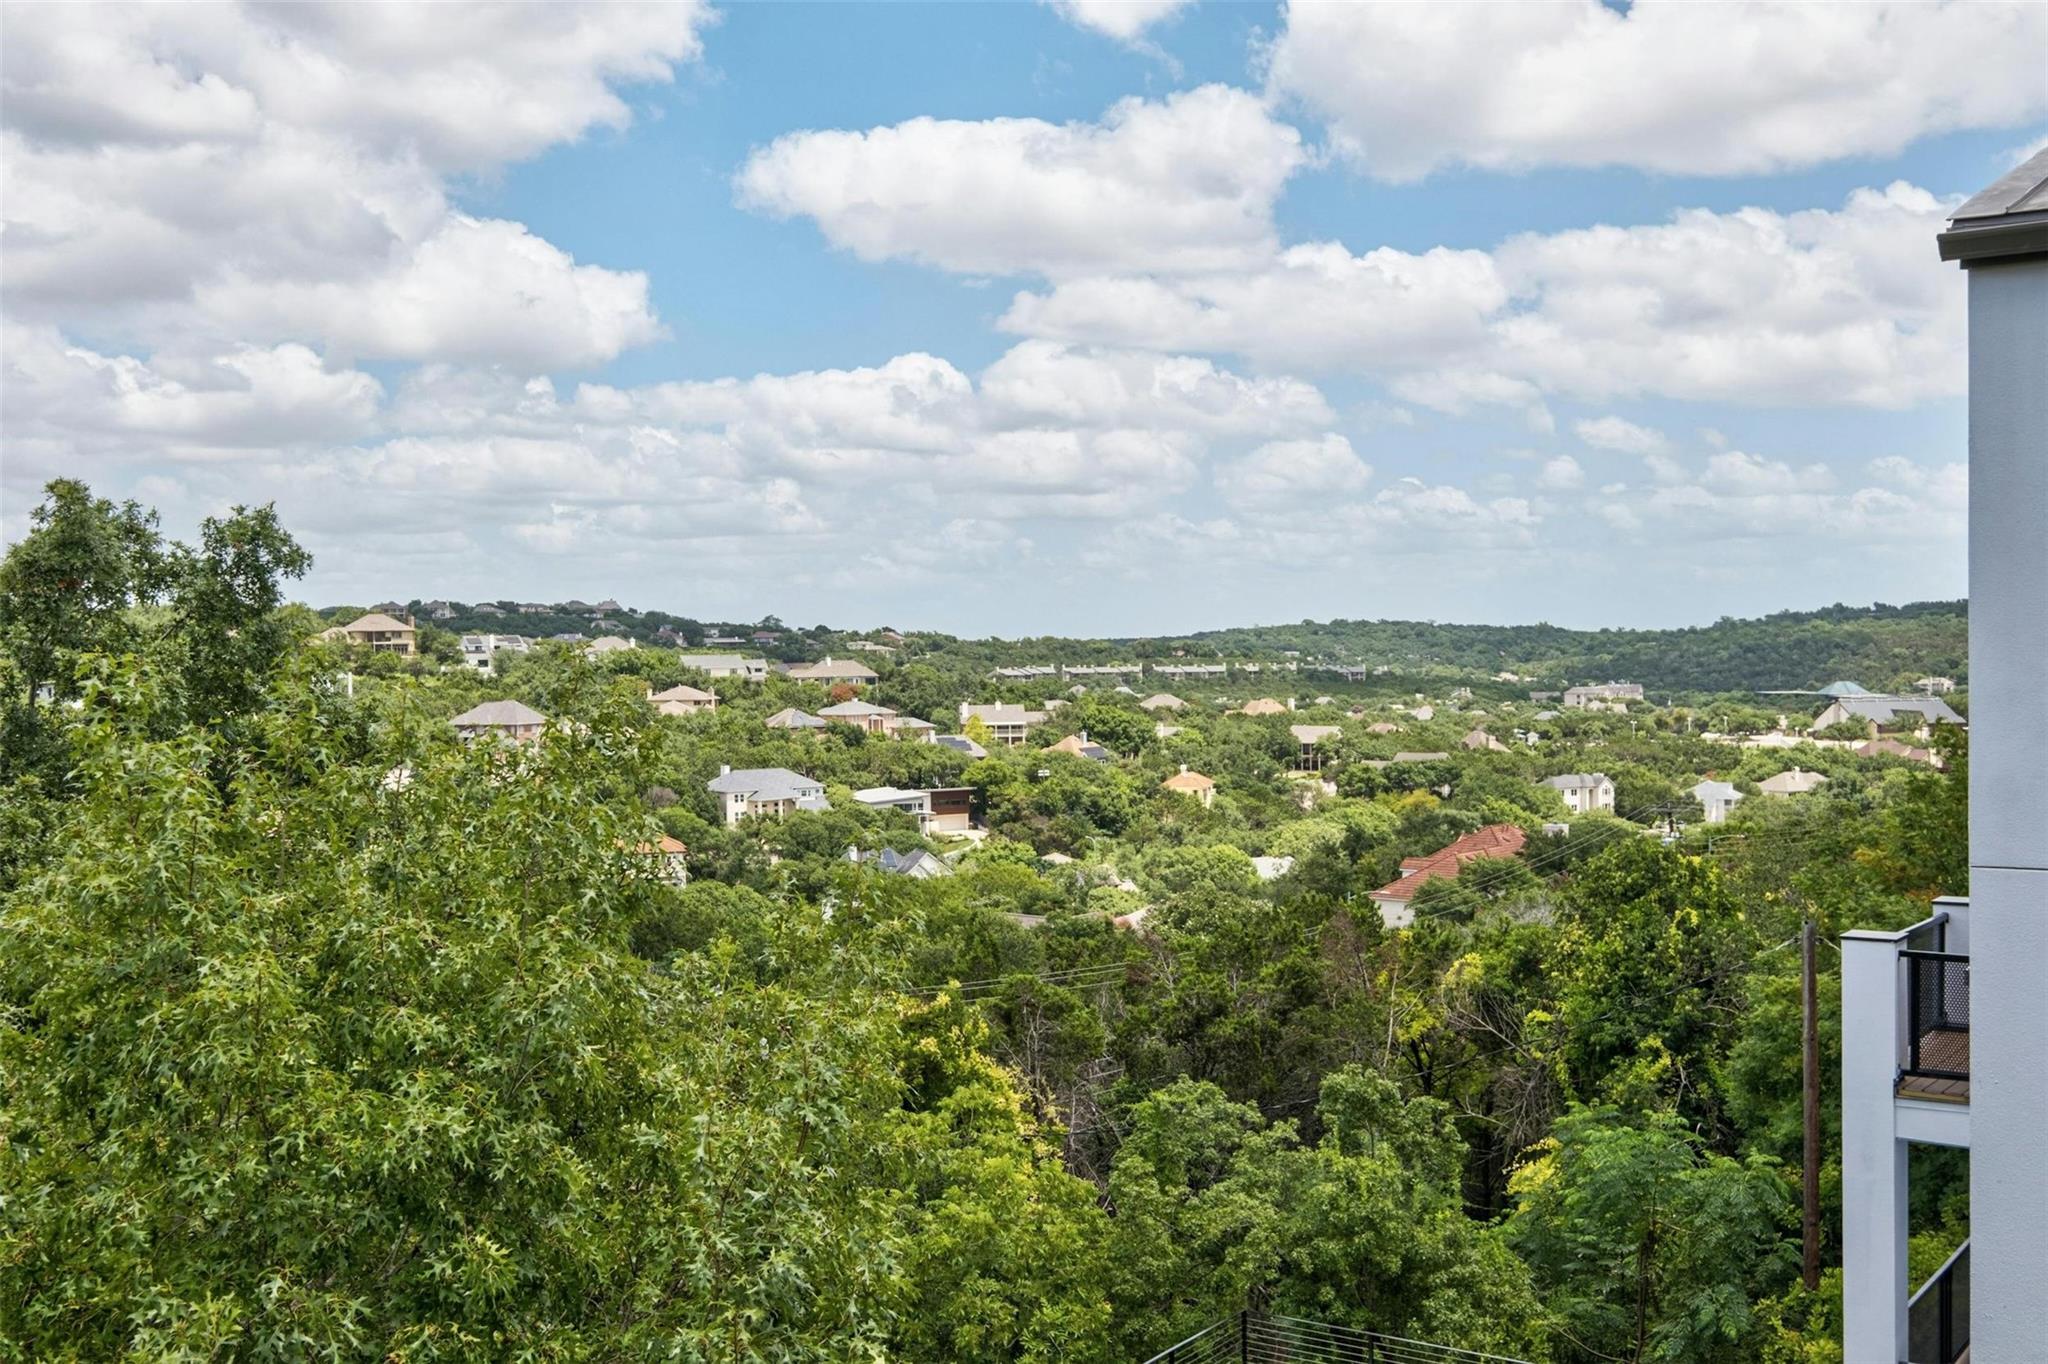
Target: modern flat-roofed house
x,y
727,665
385,634
481,651
915,803
952,810
1393,899
1190,783
500,720
1008,724
1793,783
829,670
684,700
773,791
862,715
1584,792
1918,714
1717,798
1309,738
789,717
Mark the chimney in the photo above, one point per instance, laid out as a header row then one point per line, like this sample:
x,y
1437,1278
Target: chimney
x,y
1290,703
725,769
1183,769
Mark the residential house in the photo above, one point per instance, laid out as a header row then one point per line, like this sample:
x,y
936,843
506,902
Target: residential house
x,y
917,804
1383,727
1935,686
1272,868
1007,723
1479,741
668,859
1162,730
607,605
1161,700
607,644
910,728
1265,705
868,646
1394,898
1423,713
1079,746
500,720
1602,696
727,665
684,700
1718,799
379,632
952,810
480,652
485,608
1194,784
960,743
862,715
917,863
1890,747
792,718
773,791
1309,739
1584,792
389,608
1916,713
830,671
534,608
1420,757
1792,783
438,610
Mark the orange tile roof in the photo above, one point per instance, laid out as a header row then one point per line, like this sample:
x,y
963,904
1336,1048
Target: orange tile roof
x,y
1495,840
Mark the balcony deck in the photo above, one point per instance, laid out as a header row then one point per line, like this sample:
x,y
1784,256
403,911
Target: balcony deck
x,y
1940,1049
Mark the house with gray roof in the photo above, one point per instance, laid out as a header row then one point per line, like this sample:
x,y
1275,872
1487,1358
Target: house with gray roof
x,y
791,718
727,665
1584,792
1717,798
773,791
1918,713
500,720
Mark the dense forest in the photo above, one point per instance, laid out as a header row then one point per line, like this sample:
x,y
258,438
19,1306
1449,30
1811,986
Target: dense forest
x,y
325,1032
1883,647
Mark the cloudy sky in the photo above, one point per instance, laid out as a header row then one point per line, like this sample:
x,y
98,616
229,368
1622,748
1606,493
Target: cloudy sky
x,y
1074,317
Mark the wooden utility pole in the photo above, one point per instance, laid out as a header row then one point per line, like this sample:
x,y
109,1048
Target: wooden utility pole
x,y
1810,1064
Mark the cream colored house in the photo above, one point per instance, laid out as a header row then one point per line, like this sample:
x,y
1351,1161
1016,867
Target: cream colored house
x,y
829,670
684,700
385,634
1193,784
773,791
500,720
863,715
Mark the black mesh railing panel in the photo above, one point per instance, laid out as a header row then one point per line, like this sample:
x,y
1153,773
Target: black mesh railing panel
x,y
1937,1015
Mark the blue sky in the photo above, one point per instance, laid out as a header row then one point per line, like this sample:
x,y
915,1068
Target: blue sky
x,y
1019,318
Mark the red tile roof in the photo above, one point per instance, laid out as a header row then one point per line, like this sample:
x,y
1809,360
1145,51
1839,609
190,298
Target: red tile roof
x,y
1495,840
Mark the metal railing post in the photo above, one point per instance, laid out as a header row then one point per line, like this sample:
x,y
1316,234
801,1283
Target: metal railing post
x,y
1244,1335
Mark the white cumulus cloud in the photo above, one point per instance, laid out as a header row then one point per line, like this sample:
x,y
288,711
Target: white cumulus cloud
x,y
1661,85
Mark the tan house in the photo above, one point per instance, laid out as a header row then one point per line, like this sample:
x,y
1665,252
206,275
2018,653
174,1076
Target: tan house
x,y
1080,746
385,634
1479,741
608,644
500,720
910,729
1193,784
668,860
1164,700
1008,724
829,671
863,715
1793,783
1265,705
684,700
1383,727
791,718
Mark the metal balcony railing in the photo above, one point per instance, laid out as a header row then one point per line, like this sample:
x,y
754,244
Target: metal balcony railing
x,y
1938,1317
1937,1015
1258,1338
